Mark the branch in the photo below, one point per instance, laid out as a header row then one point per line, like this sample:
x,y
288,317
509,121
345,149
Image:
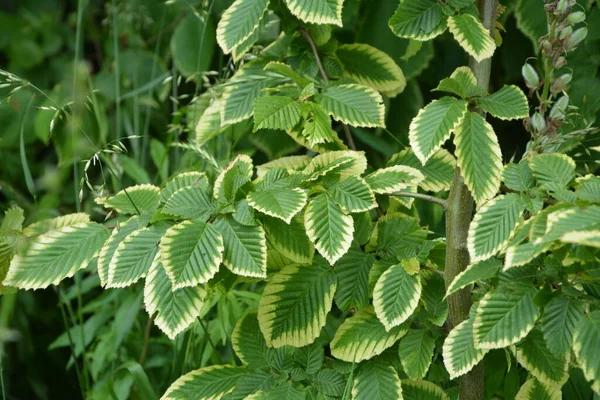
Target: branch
x,y
421,196
315,51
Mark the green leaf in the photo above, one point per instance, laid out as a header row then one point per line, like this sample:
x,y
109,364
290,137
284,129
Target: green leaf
x,y
237,173
192,44
289,239
245,248
353,194
472,36
459,351
134,255
13,219
317,126
330,382
250,345
376,381
56,255
282,203
531,20
310,357
287,71
286,391
518,176
533,354
494,225
140,199
208,383
462,83
173,311
295,303
418,19
438,170
507,103
434,124
535,390
276,112
119,233
477,271
328,227
239,22
372,67
422,390
586,345
191,253
504,317
559,320
416,351
396,296
353,104
317,11
552,171
432,294
392,179
362,337
185,179
478,156
352,272
190,203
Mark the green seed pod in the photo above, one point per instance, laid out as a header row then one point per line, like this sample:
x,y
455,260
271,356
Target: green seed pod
x,y
532,79
576,17
559,83
538,123
576,37
565,32
559,108
562,6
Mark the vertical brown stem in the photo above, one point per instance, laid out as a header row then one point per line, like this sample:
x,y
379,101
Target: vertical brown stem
x,y
459,210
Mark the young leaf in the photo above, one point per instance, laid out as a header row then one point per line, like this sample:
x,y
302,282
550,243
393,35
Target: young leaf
x,y
282,203
462,83
586,345
438,170
134,256
478,156
505,317
317,127
552,171
237,173
376,381
190,203
56,255
418,19
173,311
416,351
396,296
559,320
352,272
185,179
295,303
191,253
362,337
205,383
353,104
392,179
239,22
289,239
422,390
533,354
328,227
535,390
317,11
493,226
459,351
353,194
276,112
140,199
372,67
434,124
245,248
507,103
477,271
472,36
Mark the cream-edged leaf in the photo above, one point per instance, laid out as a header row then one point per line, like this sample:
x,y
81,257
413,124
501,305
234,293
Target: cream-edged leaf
x,y
290,240
438,170
276,112
559,320
235,175
535,390
376,381
190,203
344,163
282,203
139,199
472,36
418,19
317,11
422,390
208,383
477,271
395,178
552,171
416,352
239,22
185,179
507,103
396,296
353,194
353,104
586,345
250,345
295,303
352,272
290,163
459,351
245,251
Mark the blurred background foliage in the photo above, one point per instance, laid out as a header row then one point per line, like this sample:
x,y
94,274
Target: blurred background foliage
x,y
126,71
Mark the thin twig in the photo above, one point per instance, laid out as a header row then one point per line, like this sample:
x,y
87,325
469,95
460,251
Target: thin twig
x,y
315,51
421,196
146,341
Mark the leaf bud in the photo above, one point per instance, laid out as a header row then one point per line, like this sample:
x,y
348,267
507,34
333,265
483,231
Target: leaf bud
x,y
576,17
532,79
559,83
576,37
565,32
559,108
538,123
